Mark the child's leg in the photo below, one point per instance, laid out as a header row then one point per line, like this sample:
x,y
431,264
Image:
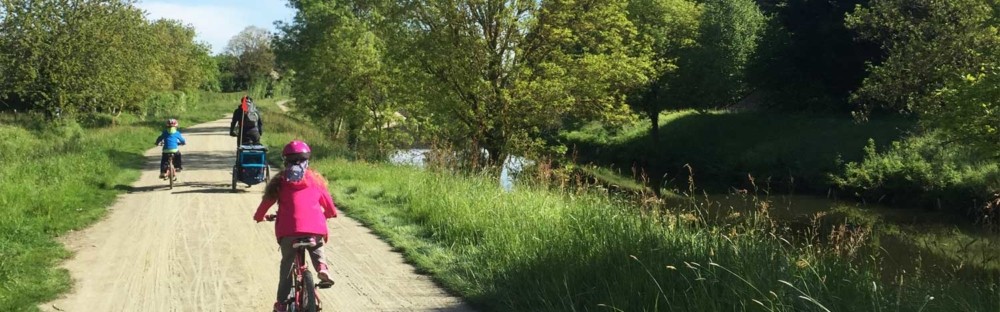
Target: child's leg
x,y
287,257
163,162
177,161
316,254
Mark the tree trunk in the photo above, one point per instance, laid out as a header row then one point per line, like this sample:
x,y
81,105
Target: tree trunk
x,y
353,134
653,170
654,129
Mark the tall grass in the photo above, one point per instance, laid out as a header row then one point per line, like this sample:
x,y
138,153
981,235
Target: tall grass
x,y
60,176
536,250
539,249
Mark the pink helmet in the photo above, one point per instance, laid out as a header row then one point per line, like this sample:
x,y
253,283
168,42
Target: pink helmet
x,y
172,122
296,147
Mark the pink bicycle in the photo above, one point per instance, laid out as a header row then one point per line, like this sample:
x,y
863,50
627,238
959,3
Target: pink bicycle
x,y
303,296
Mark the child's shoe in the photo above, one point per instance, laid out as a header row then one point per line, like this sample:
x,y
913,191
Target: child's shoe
x,y
324,279
279,307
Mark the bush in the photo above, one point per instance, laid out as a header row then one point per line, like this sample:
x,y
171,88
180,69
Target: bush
x,y
171,103
921,172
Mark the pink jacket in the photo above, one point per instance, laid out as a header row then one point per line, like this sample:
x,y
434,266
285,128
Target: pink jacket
x,y
303,207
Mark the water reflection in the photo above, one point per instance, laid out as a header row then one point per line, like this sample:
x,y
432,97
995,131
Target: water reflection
x,y
410,157
417,157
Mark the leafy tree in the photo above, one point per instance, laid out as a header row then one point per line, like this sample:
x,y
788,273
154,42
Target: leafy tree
x,y
713,72
929,44
941,64
700,53
496,74
210,69
185,63
339,61
227,78
254,57
971,111
666,29
75,56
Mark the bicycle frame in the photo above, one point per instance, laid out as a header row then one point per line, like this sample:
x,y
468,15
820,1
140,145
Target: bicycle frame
x,y
298,297
171,171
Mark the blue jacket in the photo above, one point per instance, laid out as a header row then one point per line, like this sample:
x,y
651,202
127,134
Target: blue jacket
x,y
171,138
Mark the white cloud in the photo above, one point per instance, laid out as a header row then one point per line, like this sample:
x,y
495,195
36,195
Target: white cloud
x,y
214,24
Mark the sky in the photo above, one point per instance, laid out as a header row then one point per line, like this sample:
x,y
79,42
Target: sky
x,y
216,21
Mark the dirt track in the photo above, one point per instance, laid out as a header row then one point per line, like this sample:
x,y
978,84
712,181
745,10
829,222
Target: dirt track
x,y
196,248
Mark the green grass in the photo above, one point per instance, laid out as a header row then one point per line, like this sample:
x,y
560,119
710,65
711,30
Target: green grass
x,y
61,177
796,152
542,250
880,161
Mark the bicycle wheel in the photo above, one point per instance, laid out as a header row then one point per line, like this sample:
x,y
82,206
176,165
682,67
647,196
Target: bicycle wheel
x,y
235,168
308,295
170,171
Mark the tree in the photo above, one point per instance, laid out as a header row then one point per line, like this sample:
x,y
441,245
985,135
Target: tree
x,y
225,64
713,72
339,59
185,63
972,111
666,29
941,65
928,43
254,57
75,56
495,74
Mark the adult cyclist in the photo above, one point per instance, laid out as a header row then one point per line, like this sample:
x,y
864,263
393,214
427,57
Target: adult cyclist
x,y
248,118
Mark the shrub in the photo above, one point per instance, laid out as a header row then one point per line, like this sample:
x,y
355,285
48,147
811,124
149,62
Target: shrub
x,y
921,171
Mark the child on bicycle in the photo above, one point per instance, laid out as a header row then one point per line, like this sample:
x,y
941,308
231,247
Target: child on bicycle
x,y
304,204
171,139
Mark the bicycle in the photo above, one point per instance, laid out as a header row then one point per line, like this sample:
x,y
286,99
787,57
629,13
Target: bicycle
x,y
171,171
303,296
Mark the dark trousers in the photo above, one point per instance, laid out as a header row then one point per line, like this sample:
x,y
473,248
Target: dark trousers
x,y
251,137
177,161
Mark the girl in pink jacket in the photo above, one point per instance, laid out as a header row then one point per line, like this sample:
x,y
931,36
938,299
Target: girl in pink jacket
x,y
304,204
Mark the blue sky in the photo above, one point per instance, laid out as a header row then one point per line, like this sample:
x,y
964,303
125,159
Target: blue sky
x,y
218,20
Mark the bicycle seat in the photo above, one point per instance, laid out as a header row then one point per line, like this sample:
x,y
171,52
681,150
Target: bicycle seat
x,y
304,242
